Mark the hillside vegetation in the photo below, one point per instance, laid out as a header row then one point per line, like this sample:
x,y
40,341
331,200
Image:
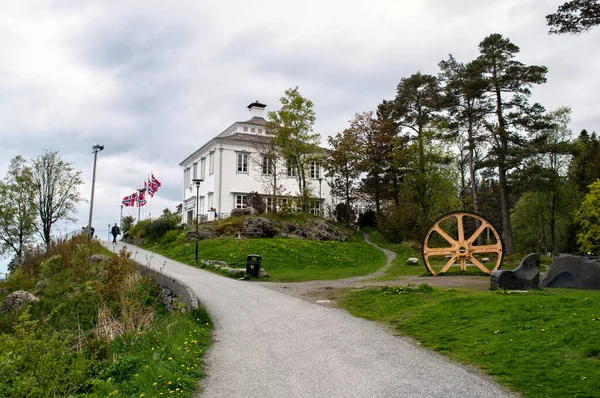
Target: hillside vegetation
x,y
98,329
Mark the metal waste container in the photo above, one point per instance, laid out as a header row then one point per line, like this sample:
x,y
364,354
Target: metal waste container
x,y
253,265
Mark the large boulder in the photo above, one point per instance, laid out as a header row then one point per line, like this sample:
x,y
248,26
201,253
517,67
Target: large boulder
x,y
572,271
322,230
17,300
259,227
99,258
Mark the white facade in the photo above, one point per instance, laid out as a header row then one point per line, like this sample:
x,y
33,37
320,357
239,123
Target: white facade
x,y
231,166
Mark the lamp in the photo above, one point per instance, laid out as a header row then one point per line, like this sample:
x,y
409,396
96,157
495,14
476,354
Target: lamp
x,y
197,182
95,149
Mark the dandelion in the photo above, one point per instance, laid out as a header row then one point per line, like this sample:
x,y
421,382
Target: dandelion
x,y
496,331
155,384
170,358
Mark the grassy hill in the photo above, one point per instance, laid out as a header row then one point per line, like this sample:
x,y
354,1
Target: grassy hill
x,y
98,329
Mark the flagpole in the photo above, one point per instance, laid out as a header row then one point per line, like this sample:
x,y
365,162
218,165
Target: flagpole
x,y
139,191
151,196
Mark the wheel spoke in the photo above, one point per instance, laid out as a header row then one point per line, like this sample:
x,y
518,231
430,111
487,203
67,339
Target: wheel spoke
x,y
479,265
444,235
497,248
438,251
476,234
448,265
461,229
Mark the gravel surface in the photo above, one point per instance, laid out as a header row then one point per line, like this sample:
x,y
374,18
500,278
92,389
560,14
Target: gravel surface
x,y
269,344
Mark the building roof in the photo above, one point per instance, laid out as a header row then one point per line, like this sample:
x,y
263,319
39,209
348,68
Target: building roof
x,y
256,104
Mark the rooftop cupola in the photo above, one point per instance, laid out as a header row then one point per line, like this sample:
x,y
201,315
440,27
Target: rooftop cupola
x,y
257,109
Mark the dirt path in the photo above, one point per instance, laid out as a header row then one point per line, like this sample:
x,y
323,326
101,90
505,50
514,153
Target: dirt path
x,y
328,292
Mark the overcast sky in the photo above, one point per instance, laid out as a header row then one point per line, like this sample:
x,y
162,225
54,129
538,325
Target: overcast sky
x,y
154,80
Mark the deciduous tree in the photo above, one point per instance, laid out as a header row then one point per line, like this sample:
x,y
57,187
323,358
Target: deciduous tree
x,y
343,161
17,208
292,130
588,217
57,184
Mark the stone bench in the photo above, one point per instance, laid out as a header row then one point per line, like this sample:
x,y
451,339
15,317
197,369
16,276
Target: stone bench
x,y
525,277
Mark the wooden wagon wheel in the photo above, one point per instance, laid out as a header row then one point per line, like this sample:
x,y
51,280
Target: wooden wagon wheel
x,y
449,243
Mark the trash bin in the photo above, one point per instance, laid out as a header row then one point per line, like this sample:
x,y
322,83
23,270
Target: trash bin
x,y
253,265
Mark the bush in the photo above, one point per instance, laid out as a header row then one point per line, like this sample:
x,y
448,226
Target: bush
x,y
344,213
367,219
43,361
257,202
588,217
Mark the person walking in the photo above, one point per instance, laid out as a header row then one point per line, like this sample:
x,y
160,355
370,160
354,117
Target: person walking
x,y
115,231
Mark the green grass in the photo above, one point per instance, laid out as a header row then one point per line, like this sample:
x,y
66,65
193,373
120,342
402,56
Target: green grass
x,y
545,343
285,259
166,360
403,252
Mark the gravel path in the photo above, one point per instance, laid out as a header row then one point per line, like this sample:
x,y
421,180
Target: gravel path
x,y
268,344
326,292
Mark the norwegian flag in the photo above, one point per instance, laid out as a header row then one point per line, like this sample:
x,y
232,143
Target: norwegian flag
x,y
151,190
155,183
128,201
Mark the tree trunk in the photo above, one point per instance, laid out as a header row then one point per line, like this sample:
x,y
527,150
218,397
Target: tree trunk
x,y
504,204
472,168
505,207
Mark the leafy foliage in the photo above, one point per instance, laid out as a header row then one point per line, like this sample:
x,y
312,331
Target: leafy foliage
x,y
17,209
588,217
575,16
254,200
292,130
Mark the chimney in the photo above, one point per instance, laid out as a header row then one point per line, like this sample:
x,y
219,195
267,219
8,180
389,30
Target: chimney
x,y
257,109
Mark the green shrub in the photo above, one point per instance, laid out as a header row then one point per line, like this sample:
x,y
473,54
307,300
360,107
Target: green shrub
x,y
171,236
38,362
588,217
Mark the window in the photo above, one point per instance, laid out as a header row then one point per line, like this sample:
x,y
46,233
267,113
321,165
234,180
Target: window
x,y
186,176
267,166
195,172
315,170
260,131
210,200
269,204
211,163
242,162
291,170
240,201
245,128
190,216
203,168
315,207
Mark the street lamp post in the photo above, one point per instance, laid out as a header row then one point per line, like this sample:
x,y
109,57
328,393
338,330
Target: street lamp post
x,y
95,149
197,182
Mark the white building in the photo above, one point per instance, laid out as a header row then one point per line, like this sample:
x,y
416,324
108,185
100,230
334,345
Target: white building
x,y
231,166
